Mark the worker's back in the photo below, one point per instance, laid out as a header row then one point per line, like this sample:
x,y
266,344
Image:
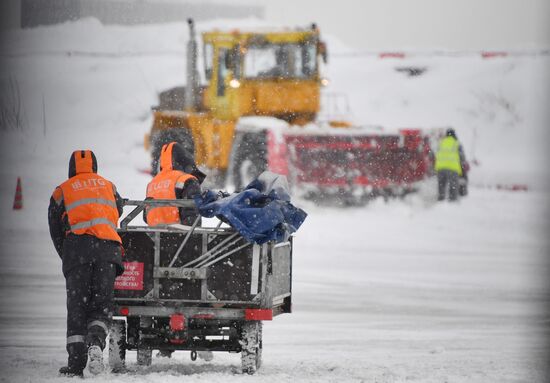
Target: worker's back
x,y
178,178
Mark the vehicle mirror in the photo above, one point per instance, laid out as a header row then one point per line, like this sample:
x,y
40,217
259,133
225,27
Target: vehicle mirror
x,y
322,48
231,59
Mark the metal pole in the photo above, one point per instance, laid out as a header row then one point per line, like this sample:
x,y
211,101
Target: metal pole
x,y
208,253
226,255
185,241
215,253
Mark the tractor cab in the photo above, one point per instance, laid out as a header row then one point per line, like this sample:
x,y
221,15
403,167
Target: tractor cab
x,y
267,74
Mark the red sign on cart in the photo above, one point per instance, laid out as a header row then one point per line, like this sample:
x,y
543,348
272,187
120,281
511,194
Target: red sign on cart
x,y
132,279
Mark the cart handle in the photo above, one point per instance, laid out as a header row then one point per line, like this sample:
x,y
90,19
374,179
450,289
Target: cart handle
x,y
140,206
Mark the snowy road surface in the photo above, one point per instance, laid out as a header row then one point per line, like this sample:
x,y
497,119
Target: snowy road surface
x,y
408,291
385,293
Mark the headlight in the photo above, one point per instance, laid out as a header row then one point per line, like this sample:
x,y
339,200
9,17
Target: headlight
x,y
234,83
325,81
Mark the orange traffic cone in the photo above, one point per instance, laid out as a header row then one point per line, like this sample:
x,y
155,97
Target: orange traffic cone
x,y
18,201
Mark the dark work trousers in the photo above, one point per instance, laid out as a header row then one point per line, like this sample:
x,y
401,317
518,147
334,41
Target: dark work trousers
x,y
89,308
447,178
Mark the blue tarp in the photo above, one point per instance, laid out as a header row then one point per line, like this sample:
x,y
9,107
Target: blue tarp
x,y
260,213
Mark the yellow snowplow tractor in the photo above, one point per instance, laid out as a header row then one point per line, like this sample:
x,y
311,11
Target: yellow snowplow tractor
x,y
257,111
271,73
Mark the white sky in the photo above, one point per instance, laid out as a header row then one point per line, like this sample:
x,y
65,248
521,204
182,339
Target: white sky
x,y
401,24
424,24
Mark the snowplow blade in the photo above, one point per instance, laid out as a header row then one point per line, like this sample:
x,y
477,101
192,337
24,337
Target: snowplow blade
x,y
365,161
325,162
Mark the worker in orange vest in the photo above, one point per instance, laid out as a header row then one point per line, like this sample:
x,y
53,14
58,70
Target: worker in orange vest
x,y
83,218
178,178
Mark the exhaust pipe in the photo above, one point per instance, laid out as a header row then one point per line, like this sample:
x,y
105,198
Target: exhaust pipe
x,y
192,87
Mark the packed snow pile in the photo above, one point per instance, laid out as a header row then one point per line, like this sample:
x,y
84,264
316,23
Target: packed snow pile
x,y
405,291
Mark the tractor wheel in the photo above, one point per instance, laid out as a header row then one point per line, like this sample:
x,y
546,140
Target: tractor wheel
x,y
251,343
249,169
248,166
117,346
250,159
160,138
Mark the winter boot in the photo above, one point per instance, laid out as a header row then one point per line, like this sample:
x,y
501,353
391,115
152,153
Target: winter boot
x,y
70,373
96,343
76,361
95,360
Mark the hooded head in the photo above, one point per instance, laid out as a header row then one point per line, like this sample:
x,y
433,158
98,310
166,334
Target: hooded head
x,y
450,133
82,161
174,156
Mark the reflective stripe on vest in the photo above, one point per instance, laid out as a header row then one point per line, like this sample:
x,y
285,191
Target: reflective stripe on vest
x,y
85,201
163,186
92,222
447,156
90,206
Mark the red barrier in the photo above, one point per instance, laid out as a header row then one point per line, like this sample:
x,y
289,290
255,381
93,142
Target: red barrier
x,y
392,55
490,55
513,187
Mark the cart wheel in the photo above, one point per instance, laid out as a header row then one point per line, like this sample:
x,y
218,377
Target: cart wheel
x,y
251,343
193,355
117,345
144,357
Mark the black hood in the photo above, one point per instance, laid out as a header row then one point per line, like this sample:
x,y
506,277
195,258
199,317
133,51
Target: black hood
x,y
181,159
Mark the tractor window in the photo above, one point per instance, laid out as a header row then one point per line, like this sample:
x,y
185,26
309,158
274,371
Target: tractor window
x,y
208,60
309,59
279,61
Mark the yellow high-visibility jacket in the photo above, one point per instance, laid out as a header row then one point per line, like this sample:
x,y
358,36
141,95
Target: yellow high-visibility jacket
x,y
448,155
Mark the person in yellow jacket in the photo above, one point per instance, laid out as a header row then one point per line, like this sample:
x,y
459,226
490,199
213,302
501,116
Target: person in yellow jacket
x,y
449,161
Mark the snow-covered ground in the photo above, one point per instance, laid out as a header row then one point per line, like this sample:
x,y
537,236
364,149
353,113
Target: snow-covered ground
x,y
403,291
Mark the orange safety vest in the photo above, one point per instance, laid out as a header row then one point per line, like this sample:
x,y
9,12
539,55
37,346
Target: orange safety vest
x,y
163,186
90,205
